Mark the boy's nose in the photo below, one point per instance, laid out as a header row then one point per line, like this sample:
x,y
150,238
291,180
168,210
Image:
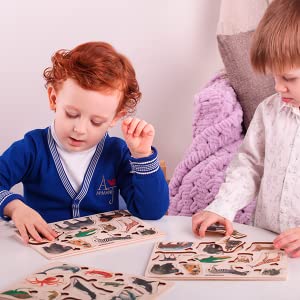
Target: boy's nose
x,y
280,86
80,127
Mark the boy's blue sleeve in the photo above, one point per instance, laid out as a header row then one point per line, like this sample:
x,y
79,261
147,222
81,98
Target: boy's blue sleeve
x,y
143,186
15,163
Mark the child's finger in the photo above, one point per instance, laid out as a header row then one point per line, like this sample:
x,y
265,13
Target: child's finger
x,y
196,222
204,225
33,232
128,125
53,232
292,247
23,233
125,124
149,130
132,126
46,231
228,226
283,239
140,128
127,121
296,253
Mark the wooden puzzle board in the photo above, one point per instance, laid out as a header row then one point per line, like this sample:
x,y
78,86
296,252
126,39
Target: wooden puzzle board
x,y
226,259
99,231
59,281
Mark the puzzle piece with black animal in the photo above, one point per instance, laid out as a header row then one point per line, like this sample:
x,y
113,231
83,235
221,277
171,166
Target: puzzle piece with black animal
x,y
220,229
67,281
226,259
94,232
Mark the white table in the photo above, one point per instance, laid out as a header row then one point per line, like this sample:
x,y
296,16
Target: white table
x,y
17,261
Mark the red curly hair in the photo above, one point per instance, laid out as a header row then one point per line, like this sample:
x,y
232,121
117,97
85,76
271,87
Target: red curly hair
x,y
96,66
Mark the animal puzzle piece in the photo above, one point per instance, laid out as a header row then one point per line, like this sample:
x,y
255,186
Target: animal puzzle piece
x,y
167,268
175,246
259,246
230,270
219,228
212,259
213,248
229,244
106,217
74,224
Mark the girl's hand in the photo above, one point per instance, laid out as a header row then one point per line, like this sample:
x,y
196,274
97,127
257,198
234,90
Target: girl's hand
x,y
203,219
28,222
289,240
139,136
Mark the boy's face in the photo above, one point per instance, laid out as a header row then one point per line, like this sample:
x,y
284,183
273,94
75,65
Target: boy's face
x,y
82,116
288,85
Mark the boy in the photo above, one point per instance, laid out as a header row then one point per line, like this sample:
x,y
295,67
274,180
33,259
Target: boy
x,y
73,168
267,164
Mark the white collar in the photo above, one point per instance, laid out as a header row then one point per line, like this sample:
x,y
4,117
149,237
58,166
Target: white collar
x,y
295,110
61,147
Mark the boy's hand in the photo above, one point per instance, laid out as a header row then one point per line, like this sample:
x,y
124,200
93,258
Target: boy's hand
x,y
139,136
204,219
28,222
289,240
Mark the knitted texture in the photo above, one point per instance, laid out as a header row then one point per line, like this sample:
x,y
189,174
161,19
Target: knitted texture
x,y
217,134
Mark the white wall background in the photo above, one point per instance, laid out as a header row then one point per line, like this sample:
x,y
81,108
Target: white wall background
x,y
171,43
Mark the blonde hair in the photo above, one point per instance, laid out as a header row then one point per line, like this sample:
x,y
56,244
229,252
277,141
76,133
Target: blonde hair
x,y
276,41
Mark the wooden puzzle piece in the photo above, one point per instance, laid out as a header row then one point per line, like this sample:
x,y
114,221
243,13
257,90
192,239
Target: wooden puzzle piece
x,y
94,232
229,244
175,246
65,281
259,246
220,229
210,248
268,258
226,259
227,270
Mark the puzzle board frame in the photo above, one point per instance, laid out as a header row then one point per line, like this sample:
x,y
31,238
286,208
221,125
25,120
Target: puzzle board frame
x,y
61,281
94,232
226,259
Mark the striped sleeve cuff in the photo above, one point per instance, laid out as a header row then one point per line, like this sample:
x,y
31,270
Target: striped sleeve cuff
x,y
145,166
5,198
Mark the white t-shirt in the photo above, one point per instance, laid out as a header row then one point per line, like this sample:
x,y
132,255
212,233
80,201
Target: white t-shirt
x,y
75,164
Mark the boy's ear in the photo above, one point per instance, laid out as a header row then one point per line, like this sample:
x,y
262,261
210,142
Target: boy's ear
x,y
52,97
117,117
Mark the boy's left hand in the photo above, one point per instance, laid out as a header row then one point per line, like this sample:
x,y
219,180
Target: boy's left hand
x,y
289,240
139,136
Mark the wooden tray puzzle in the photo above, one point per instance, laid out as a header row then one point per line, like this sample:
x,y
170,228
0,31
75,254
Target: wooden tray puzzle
x,y
227,259
99,231
61,281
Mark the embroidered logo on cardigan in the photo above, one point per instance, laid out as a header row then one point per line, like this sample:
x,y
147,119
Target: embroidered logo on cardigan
x,y
106,187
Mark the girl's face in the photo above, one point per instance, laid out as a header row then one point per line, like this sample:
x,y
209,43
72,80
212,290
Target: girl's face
x,y
288,85
82,116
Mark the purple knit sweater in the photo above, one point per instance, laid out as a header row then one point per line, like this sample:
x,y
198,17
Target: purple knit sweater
x,y
217,134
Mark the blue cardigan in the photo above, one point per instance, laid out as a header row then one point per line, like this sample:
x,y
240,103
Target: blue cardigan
x,y
35,162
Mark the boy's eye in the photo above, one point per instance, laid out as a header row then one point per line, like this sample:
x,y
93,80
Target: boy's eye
x,y
70,115
289,79
96,123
